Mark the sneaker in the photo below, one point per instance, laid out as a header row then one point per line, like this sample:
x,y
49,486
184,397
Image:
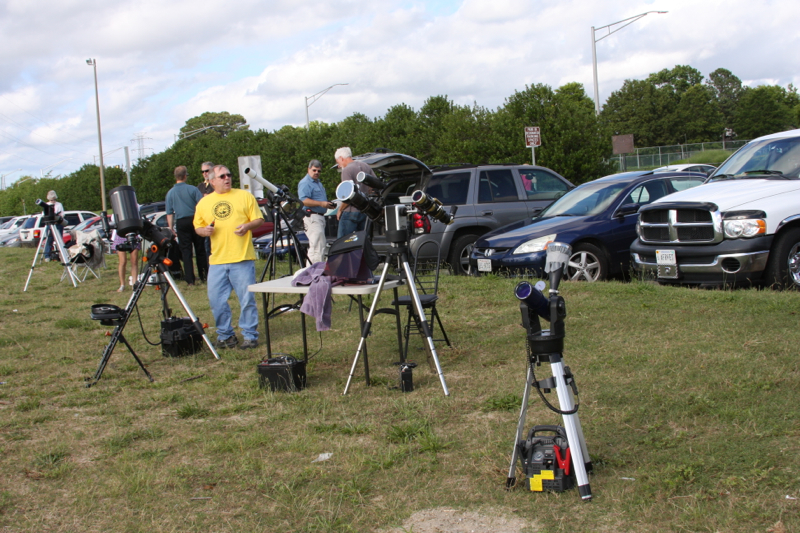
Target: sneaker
x,y
230,342
248,344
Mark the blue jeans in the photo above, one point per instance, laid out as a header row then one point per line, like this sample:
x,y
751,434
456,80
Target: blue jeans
x,y
221,280
351,221
48,246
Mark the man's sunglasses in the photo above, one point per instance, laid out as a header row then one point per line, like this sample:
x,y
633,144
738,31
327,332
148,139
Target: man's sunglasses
x,y
221,176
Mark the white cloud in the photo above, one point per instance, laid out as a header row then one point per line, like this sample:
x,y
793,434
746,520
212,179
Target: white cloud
x,y
162,62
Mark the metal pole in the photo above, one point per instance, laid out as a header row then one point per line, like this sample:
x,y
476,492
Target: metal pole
x,y
308,123
533,155
594,70
93,63
128,165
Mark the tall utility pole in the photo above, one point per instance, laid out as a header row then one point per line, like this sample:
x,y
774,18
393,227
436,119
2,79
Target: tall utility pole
x,y
629,21
93,63
139,140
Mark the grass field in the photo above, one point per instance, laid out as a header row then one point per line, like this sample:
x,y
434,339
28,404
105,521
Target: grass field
x,y
689,406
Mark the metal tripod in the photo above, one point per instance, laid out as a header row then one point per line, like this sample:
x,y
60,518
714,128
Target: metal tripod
x,y
62,253
548,346
119,317
400,252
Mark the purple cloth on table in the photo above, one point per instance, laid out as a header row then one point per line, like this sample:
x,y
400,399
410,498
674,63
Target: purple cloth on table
x,y
318,302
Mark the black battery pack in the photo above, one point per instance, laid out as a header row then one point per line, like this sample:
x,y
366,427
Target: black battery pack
x,y
180,337
284,373
546,460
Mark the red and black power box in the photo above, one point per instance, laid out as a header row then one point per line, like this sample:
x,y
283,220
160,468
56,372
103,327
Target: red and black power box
x,y
546,460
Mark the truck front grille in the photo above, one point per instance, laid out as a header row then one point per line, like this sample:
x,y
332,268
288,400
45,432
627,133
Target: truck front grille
x,y
679,225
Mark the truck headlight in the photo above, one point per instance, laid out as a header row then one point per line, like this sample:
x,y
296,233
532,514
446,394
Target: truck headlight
x,y
535,245
739,228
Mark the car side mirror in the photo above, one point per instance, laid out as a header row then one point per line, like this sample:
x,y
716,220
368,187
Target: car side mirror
x,y
627,209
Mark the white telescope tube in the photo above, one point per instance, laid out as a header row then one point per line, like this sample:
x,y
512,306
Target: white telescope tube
x,y
273,189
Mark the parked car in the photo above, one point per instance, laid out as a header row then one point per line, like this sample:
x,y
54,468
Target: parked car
x,y
742,226
597,218
688,167
487,196
32,228
11,239
12,225
152,207
263,244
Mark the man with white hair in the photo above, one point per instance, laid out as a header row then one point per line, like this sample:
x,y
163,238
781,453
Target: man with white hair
x,y
58,209
228,216
350,218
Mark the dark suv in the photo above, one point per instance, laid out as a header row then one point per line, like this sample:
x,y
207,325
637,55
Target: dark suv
x,y
487,196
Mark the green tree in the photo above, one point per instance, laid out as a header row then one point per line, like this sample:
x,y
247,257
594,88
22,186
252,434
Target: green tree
x,y
225,125
698,117
763,110
727,89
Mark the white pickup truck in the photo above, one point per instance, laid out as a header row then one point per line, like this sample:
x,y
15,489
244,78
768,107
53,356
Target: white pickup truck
x,y
741,227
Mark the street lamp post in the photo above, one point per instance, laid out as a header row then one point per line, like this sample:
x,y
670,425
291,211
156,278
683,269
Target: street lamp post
x,y
3,177
93,63
626,22
41,171
314,98
183,135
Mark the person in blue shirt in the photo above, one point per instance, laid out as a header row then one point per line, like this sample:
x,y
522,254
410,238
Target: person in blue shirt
x,y
180,206
311,192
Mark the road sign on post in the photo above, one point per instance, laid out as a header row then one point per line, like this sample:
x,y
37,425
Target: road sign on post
x,y
533,138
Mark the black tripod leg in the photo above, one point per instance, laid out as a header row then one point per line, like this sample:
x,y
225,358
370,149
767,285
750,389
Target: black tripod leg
x,y
42,240
141,365
117,333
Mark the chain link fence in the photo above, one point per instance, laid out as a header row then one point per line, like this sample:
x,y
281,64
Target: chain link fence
x,y
660,156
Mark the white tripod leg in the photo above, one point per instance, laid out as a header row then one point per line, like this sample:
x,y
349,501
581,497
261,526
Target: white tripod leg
x,y
571,424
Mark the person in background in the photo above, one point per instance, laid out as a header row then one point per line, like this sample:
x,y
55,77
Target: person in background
x,y
227,216
180,206
350,218
116,240
206,188
58,209
311,192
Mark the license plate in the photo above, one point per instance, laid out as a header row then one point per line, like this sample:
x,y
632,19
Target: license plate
x,y
484,265
667,264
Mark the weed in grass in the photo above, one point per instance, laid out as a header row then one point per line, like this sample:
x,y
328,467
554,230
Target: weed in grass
x,y
74,323
504,402
28,404
120,442
192,410
408,431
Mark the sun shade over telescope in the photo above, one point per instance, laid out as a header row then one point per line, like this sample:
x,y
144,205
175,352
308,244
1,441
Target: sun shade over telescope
x,y
347,191
126,210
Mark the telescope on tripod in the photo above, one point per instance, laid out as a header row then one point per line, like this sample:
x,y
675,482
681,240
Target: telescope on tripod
x,y
550,463
49,220
134,228
396,219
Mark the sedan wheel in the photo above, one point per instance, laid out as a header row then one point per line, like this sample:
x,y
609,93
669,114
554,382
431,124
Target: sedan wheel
x,y
587,263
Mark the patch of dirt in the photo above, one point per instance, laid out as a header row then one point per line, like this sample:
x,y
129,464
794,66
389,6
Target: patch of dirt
x,y
444,520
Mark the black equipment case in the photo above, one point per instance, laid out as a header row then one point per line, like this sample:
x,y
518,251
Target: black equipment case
x,y
284,373
180,337
546,460
352,258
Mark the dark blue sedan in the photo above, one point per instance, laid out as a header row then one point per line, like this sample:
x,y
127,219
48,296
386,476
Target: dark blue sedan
x,y
597,218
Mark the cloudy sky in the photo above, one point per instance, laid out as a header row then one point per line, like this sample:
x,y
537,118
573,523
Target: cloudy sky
x,y
161,62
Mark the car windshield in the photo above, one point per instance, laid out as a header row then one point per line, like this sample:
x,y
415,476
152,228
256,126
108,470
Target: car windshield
x,y
588,199
756,159
8,224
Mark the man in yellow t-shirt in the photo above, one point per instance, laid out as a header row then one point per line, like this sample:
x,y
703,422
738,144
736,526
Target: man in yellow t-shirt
x,y
227,216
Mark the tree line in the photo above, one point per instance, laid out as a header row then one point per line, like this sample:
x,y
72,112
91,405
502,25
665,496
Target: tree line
x,y
672,106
